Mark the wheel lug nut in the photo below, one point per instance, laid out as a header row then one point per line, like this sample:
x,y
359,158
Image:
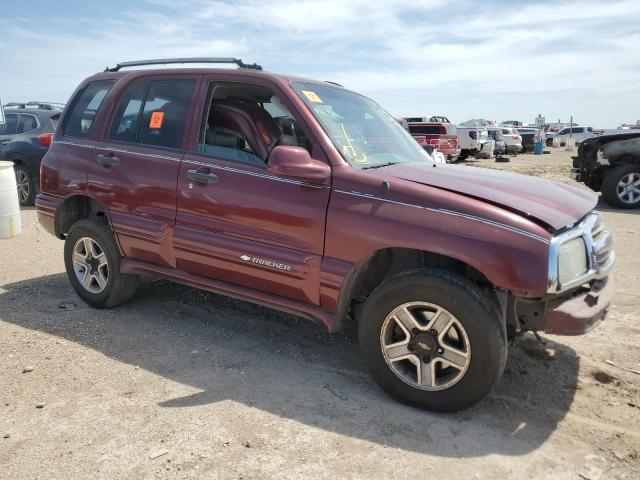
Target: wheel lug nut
x,y
427,359
415,331
440,350
434,333
410,346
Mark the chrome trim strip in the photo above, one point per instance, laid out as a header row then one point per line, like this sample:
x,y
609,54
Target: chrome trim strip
x,y
254,174
585,230
450,212
150,155
65,142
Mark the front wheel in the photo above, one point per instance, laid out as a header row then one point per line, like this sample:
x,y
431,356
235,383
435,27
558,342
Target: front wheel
x,y
433,339
621,186
92,261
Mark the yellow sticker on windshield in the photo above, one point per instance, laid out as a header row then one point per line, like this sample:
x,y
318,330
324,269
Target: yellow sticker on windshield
x,y
312,96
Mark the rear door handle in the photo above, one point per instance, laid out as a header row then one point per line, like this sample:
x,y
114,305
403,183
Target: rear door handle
x,y
107,160
202,176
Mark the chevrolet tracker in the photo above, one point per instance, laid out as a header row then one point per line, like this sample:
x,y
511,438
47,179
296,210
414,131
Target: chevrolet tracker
x,y
309,198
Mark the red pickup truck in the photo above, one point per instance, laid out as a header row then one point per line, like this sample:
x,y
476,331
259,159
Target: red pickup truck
x,y
442,136
306,197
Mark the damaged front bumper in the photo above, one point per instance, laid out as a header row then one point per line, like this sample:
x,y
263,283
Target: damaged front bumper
x,y
569,314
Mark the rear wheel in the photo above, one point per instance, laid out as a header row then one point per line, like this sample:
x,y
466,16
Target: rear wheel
x,y
92,261
621,186
433,339
25,184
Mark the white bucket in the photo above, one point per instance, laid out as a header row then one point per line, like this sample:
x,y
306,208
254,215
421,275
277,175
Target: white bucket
x,y
571,142
10,224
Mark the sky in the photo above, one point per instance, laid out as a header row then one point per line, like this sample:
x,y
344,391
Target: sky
x,y
500,60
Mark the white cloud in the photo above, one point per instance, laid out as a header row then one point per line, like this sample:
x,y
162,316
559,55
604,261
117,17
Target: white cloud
x,y
462,58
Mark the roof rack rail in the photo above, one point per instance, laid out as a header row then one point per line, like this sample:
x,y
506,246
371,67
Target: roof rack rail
x,y
333,83
41,105
167,61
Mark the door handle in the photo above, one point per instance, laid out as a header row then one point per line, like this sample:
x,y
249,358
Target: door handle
x,y
202,176
107,161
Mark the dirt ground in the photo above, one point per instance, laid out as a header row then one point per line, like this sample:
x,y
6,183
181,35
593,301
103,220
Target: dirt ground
x,y
187,384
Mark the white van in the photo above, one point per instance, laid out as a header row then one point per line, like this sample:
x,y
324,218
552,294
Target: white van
x,y
577,133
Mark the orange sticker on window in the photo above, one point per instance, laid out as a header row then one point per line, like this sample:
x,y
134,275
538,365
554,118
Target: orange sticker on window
x,y
156,120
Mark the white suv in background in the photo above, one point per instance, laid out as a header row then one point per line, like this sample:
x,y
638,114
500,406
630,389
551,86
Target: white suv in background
x,y
578,133
511,138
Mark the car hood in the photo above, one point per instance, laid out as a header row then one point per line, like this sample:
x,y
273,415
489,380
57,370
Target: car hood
x,y
548,202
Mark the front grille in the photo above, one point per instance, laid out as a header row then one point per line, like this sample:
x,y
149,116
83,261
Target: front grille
x,y
602,247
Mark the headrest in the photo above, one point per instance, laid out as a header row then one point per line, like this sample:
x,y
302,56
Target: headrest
x,y
252,121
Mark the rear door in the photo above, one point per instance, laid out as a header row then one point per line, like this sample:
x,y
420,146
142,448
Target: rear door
x,y
238,223
7,131
136,164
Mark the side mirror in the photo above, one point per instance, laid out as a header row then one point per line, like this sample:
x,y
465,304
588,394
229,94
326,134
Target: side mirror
x,y
295,162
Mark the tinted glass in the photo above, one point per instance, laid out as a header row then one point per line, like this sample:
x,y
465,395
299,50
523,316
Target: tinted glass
x,y
124,125
9,127
78,121
578,130
165,112
426,130
27,123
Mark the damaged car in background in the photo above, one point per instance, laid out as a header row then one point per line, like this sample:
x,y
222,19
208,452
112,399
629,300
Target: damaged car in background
x,y
611,164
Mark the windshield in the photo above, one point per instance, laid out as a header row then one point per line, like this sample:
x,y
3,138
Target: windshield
x,y
364,134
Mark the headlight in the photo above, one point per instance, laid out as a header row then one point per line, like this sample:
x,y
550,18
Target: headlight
x,y
572,260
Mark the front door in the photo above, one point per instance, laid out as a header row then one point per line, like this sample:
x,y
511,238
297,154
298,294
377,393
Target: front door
x,y
237,222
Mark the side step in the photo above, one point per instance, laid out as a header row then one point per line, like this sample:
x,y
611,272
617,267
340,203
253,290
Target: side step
x,y
312,312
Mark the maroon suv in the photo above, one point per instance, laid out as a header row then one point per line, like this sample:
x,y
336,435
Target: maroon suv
x,y
309,198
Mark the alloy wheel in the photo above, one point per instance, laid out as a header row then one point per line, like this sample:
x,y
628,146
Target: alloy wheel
x,y
22,182
90,265
628,188
425,346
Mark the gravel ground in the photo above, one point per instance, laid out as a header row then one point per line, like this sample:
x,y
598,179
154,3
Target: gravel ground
x,y
187,384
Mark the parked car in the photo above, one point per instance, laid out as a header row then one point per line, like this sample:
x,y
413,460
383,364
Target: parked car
x,y
512,123
578,133
510,137
528,136
442,136
611,164
306,197
471,140
549,138
24,139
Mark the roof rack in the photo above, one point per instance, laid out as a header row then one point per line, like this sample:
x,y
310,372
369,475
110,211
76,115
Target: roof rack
x,y
167,61
41,105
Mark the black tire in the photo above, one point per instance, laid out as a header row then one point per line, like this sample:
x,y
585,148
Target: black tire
x,y
119,287
610,185
475,310
27,188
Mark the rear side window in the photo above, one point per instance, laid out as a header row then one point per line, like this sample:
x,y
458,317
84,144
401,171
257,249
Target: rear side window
x,y
9,127
78,121
165,112
578,130
27,123
124,126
